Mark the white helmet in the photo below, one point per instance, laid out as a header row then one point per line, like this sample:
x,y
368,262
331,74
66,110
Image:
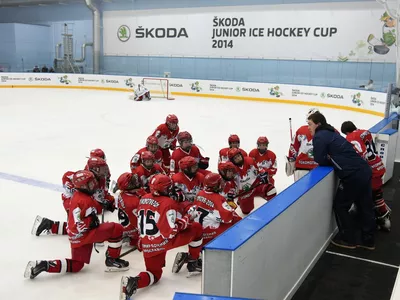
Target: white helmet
x,y
312,110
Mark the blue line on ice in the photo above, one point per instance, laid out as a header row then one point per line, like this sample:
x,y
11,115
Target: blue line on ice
x,y
32,182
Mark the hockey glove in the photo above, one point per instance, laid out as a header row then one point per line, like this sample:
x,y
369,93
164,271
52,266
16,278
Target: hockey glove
x,y
203,163
183,223
95,222
192,212
177,194
109,205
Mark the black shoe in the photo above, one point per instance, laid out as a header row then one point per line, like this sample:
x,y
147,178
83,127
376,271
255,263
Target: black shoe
x,y
339,242
34,268
367,244
129,286
180,259
194,266
42,225
116,264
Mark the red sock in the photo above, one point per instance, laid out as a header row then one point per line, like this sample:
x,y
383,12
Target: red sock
x,y
64,266
57,229
146,279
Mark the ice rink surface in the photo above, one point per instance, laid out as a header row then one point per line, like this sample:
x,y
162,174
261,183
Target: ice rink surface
x,y
46,132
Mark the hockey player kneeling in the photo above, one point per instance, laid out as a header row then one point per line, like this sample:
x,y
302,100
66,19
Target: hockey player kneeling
x,y
251,181
212,212
141,93
162,228
84,229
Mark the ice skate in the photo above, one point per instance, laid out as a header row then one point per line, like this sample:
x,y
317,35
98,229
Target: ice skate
x,y
116,265
194,267
41,226
34,268
180,259
128,287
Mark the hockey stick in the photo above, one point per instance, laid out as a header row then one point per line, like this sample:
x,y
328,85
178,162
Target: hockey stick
x,y
246,192
134,248
290,127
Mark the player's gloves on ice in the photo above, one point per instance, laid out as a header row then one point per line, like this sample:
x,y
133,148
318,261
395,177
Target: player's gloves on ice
x,y
263,175
95,222
204,162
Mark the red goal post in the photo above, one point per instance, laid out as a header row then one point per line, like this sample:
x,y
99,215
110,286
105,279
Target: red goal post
x,y
158,87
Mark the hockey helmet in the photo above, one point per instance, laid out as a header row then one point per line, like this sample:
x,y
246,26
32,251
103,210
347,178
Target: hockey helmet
x,y
152,144
85,181
98,153
172,122
128,181
234,138
213,183
160,185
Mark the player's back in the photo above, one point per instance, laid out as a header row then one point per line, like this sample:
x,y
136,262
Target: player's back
x,y
156,221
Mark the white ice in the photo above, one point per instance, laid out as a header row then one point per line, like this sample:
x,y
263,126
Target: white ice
x,y
45,132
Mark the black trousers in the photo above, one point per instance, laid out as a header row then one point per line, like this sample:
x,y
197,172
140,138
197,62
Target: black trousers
x,y
355,189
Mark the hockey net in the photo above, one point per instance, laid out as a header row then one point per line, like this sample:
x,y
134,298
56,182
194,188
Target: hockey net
x,y
158,87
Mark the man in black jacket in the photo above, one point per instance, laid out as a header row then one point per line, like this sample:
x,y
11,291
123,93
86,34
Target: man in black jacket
x,y
331,149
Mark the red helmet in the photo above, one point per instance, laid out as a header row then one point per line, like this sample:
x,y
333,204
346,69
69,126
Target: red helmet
x,y
172,122
213,182
262,140
184,135
226,166
160,184
98,153
172,119
147,155
82,180
233,152
128,181
152,140
187,162
98,166
233,138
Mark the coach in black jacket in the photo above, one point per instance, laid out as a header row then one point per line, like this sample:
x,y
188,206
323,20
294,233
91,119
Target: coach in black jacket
x,y
331,149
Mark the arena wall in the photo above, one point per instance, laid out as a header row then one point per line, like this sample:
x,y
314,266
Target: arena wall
x,y
361,101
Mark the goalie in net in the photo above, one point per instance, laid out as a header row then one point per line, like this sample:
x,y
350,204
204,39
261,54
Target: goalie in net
x,y
140,93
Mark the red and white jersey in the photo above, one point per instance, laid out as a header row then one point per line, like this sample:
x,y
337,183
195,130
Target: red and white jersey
x,y
67,185
247,175
165,137
212,210
189,186
136,159
364,145
145,174
79,219
179,153
301,149
230,187
223,154
127,210
266,161
156,223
